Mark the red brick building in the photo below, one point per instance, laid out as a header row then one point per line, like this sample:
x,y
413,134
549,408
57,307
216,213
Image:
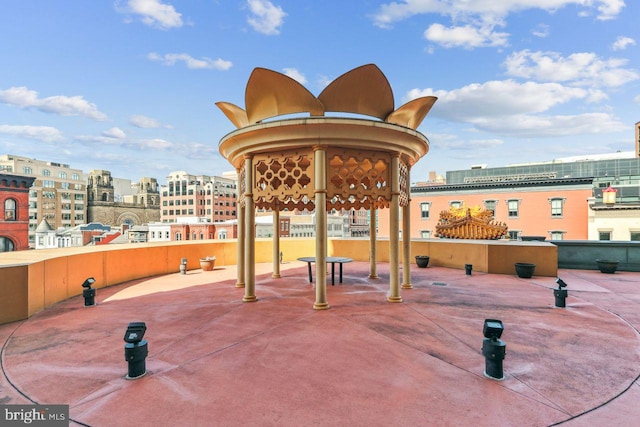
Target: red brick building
x,y
193,231
14,212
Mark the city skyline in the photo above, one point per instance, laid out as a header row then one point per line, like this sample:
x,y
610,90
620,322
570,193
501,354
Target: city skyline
x,y
130,86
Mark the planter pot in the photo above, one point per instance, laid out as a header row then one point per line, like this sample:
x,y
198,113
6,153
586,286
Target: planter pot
x,y
422,261
207,264
524,270
607,266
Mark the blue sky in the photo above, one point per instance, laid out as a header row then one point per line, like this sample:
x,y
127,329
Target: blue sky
x,y
130,85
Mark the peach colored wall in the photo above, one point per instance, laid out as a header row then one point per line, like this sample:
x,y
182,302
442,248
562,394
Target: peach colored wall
x,y
34,280
13,298
534,214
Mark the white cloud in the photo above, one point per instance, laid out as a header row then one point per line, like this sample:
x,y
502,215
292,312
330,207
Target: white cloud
x,y
465,36
63,105
499,98
197,151
103,140
552,126
541,30
151,144
324,81
453,142
516,109
265,17
636,99
609,9
145,122
584,69
115,133
41,133
474,20
192,63
295,75
622,43
153,13
110,137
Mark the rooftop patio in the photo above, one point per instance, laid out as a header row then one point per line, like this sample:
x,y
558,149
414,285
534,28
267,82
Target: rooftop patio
x,y
216,361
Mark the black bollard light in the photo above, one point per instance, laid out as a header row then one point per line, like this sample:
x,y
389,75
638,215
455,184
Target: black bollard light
x,y
560,294
493,348
467,269
135,350
88,292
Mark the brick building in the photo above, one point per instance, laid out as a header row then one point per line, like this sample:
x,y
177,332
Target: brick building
x,y
186,195
14,217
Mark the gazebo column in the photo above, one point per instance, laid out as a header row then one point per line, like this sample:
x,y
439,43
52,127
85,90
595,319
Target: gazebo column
x,y
394,231
249,234
406,242
276,241
373,247
320,163
240,243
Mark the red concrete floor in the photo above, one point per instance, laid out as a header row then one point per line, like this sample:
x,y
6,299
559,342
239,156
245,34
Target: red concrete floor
x,y
216,361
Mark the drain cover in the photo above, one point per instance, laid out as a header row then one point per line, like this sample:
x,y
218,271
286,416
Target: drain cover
x,y
439,284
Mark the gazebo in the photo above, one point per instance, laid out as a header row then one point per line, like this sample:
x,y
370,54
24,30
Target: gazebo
x,y
309,161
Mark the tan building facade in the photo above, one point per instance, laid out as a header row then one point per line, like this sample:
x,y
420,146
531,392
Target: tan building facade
x,y
135,210
58,193
187,195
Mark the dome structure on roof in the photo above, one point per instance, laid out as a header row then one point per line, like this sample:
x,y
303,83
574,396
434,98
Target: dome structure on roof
x,y
324,162
364,90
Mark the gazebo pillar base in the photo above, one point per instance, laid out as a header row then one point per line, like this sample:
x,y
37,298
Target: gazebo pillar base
x,y
373,276
321,306
251,298
275,276
239,285
394,299
407,286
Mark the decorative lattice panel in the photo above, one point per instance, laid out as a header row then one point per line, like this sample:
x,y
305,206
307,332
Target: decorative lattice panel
x,y
284,179
355,179
403,198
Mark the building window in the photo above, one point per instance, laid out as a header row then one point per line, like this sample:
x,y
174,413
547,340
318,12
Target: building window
x,y
46,172
455,204
556,207
47,183
557,235
27,170
490,205
514,234
178,236
425,234
9,210
75,177
604,235
424,210
62,175
6,245
513,208
635,236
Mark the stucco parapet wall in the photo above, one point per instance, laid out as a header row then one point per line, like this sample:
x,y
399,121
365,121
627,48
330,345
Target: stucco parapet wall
x,y
34,280
288,134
